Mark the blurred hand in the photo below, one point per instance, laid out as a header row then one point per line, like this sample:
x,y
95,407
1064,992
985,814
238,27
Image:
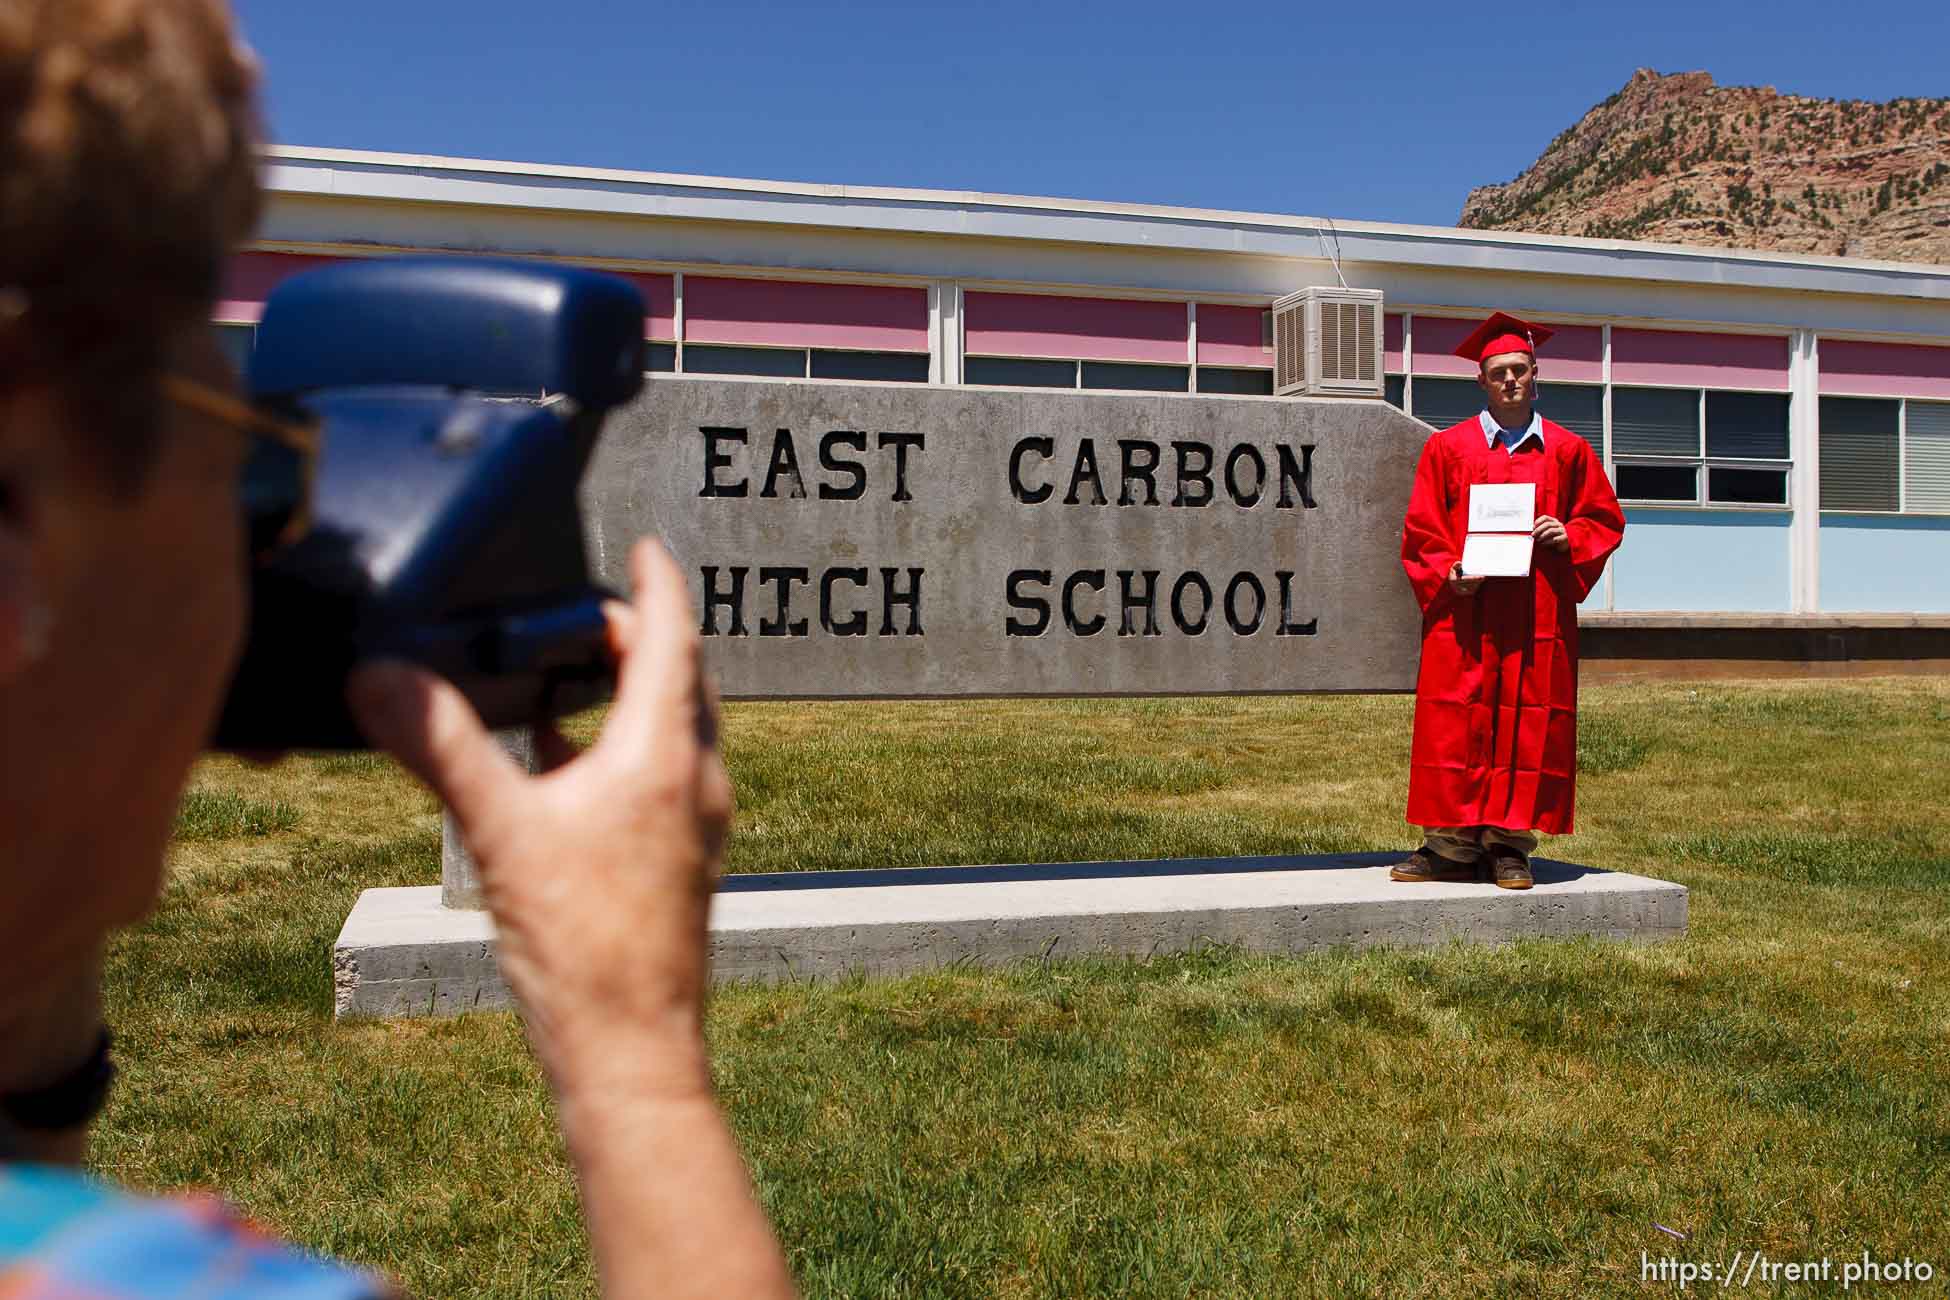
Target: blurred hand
x,y
1460,585
1551,533
599,871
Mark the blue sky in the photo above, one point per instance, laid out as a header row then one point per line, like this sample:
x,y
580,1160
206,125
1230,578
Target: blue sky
x,y
1385,111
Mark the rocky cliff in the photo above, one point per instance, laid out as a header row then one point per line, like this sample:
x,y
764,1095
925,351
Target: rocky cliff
x,y
1681,160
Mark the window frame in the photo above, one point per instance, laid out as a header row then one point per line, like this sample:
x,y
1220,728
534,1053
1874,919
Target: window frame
x,y
805,354
1202,391
225,329
1902,461
1076,384
1702,495
1902,470
1074,363
1904,506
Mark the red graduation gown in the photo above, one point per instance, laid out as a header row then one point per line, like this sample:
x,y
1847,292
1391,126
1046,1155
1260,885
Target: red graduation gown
x,y
1496,699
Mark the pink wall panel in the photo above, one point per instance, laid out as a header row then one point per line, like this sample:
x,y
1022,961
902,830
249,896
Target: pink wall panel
x,y
1575,353
1096,329
660,303
250,277
797,313
1695,357
1232,336
1391,343
1436,338
1884,369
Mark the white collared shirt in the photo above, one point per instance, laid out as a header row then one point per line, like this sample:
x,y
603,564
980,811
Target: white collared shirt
x,y
1490,430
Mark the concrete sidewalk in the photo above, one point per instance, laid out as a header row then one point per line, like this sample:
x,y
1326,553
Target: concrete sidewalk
x,y
401,953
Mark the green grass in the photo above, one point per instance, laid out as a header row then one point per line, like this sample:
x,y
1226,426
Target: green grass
x,y
222,815
1459,1121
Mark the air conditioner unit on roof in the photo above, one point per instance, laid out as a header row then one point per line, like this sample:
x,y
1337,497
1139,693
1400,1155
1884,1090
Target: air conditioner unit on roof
x,y
1327,343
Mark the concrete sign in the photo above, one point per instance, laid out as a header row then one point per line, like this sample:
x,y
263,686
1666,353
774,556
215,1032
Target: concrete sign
x,y
887,540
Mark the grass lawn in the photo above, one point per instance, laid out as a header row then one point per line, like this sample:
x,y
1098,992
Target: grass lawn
x,y
1463,1121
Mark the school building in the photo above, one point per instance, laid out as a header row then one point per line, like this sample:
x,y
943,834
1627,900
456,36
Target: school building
x,y
1777,424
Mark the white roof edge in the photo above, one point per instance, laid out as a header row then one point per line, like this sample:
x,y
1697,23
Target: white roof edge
x,y
1805,267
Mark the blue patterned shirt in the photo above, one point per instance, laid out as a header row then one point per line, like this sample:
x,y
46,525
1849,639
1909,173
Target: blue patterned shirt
x,y
67,1237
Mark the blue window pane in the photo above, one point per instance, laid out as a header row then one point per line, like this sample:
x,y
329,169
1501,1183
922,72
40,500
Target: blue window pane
x,y
1747,426
1230,379
1443,402
1019,372
1119,374
236,341
712,359
1658,482
902,367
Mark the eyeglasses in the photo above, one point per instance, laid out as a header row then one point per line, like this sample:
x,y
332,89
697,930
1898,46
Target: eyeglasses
x,y
276,488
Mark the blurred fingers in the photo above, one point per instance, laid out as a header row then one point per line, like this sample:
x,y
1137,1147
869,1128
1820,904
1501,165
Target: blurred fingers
x,y
430,727
552,748
657,684
620,616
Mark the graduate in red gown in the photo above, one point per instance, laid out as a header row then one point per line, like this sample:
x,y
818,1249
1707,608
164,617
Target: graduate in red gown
x,y
1494,758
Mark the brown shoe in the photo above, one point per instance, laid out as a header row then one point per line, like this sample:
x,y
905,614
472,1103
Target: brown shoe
x,y
1510,869
1423,866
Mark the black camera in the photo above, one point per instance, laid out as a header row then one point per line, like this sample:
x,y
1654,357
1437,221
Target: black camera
x,y
457,403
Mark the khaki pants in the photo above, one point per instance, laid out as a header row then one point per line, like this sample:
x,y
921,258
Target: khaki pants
x,y
1468,843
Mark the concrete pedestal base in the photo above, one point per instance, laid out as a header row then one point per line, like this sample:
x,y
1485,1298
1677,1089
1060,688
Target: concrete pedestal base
x,y
401,953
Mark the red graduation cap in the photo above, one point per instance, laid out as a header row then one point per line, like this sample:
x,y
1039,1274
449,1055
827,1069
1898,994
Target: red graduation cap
x,y
1502,333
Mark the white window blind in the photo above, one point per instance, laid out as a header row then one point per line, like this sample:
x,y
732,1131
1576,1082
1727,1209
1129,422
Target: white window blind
x,y
1926,465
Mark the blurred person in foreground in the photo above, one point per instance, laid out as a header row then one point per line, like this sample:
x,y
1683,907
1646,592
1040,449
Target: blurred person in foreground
x,y
127,174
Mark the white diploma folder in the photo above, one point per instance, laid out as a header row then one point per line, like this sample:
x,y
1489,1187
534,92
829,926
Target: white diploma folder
x,y
1499,544
1497,555
1502,507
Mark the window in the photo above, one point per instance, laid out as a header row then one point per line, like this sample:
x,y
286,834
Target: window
x,y
1926,457
1885,427
1579,408
236,341
1883,455
1019,372
1747,426
1120,374
1393,391
660,357
1658,483
1655,422
1861,467
1237,380
898,367
794,363
1443,402
711,359
1693,446
1733,485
